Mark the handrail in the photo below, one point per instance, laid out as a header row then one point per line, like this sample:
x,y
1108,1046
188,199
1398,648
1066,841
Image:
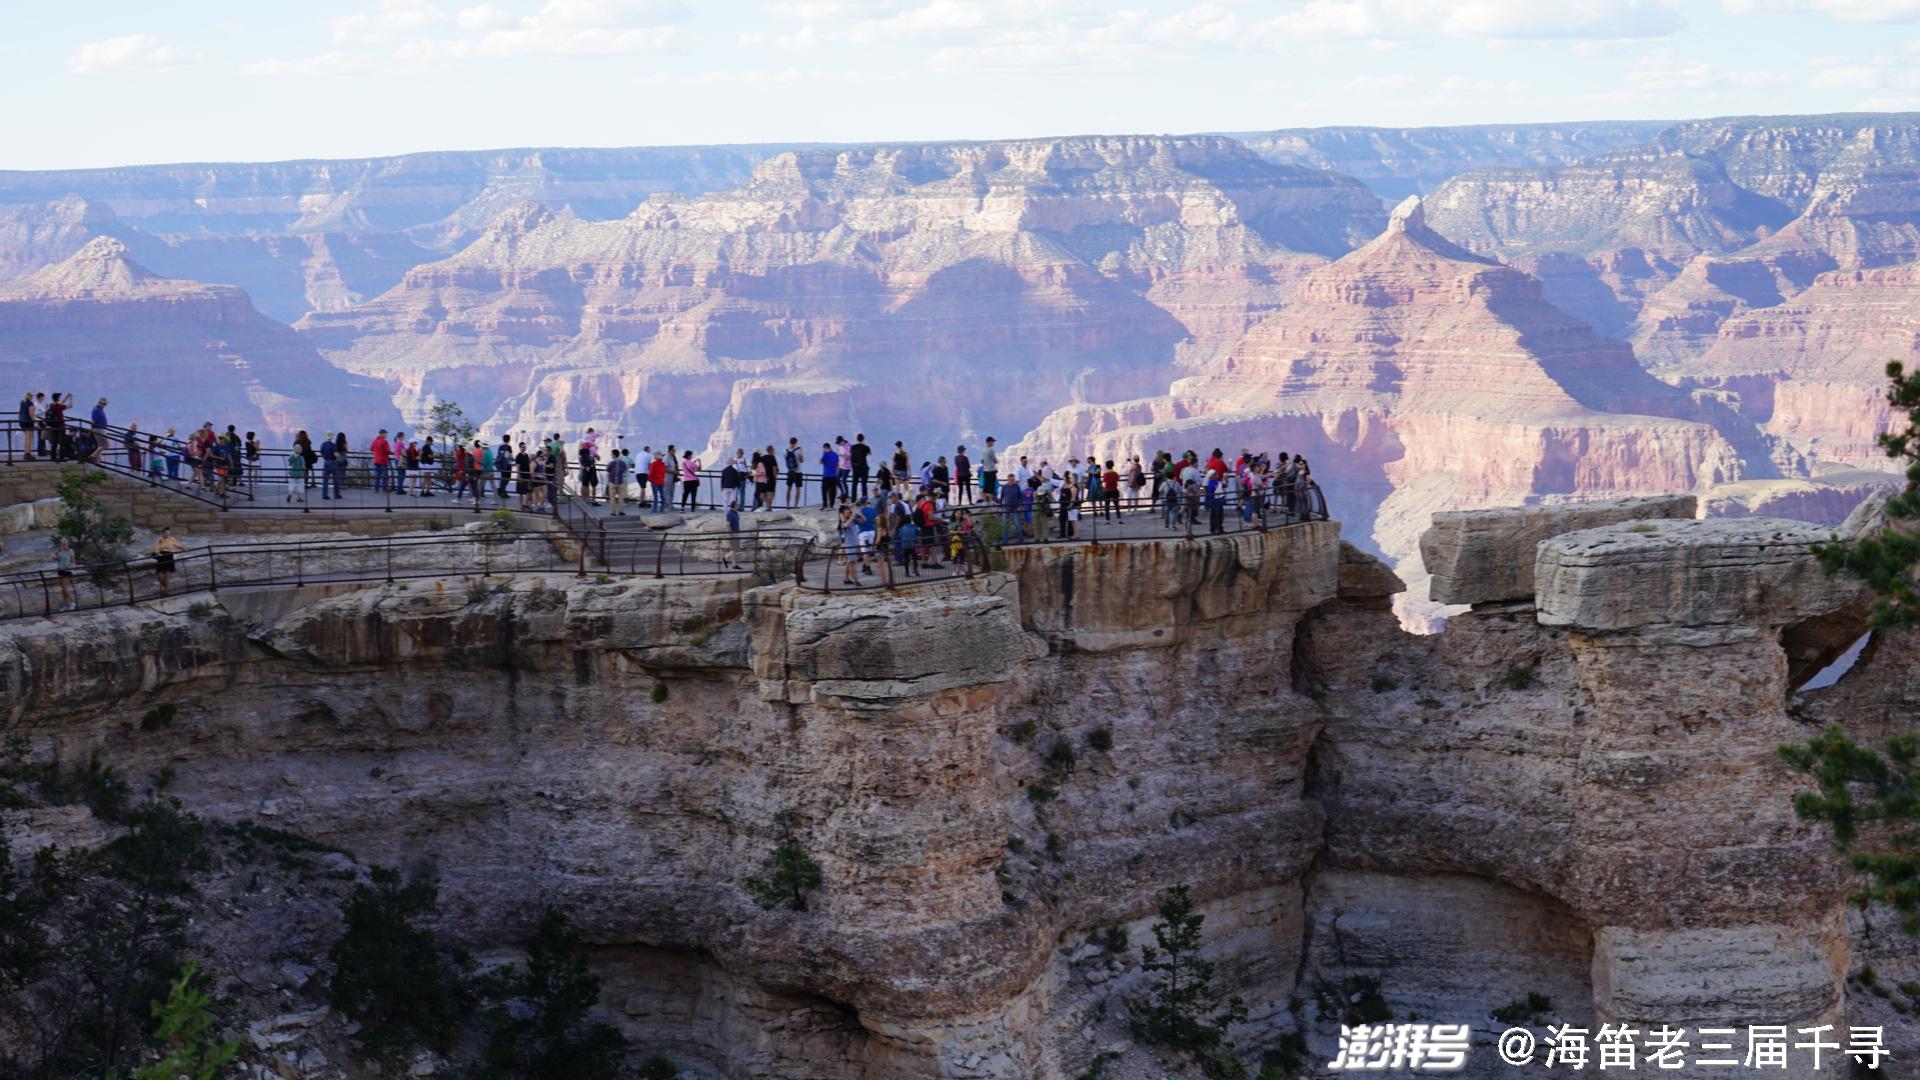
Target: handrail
x,y
482,553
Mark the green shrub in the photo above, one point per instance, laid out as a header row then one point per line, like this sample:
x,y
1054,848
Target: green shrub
x,y
1060,756
95,535
1531,1009
659,692
659,1067
538,1026
389,975
1182,1009
1040,792
1355,1000
1100,739
1519,676
1383,684
184,1025
789,873
158,717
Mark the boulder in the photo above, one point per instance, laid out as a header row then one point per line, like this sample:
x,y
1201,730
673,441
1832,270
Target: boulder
x,y
1748,572
1483,556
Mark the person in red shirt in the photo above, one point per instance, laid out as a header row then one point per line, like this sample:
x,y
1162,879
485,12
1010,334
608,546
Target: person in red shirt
x,y
382,452
1110,490
657,480
1216,465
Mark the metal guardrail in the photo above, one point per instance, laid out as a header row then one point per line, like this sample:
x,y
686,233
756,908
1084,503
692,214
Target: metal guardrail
x,y
768,556
995,528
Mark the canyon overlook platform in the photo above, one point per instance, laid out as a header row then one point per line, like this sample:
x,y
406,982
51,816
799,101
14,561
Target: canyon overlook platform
x,y
1347,800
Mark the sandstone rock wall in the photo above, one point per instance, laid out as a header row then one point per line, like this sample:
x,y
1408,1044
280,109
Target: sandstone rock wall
x,y
1575,802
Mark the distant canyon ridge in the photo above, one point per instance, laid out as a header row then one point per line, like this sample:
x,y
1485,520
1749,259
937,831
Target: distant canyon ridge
x,y
1440,318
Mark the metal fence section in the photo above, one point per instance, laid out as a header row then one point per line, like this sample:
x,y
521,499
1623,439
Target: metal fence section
x,y
767,557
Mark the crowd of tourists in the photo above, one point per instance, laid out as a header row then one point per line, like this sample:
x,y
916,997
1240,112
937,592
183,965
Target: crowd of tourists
x,y
886,507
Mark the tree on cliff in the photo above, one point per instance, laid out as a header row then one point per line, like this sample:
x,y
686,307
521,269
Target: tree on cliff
x,y
388,973
1183,1010
97,537
538,1026
447,420
185,1021
1872,797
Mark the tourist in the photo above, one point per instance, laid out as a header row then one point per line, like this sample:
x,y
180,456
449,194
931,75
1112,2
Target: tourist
x,y
296,477
730,479
503,469
63,572
862,453
617,484
731,556
589,472
866,517
829,476
796,480
689,481
849,533
906,539
165,547
382,452
989,472
962,476
330,470
657,471
27,421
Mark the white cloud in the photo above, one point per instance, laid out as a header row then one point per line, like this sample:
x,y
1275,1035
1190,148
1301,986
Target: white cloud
x,y
1599,20
1850,10
799,41
482,17
323,65
133,51
1846,77
1211,24
395,19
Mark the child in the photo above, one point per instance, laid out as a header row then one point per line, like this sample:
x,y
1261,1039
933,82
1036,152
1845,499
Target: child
x,y
297,477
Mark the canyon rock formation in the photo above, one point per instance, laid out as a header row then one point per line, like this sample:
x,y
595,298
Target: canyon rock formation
x,y
171,352
1378,373
1352,805
1108,295
995,280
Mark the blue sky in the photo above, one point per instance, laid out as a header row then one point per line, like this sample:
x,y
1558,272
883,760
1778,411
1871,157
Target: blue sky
x,y
113,82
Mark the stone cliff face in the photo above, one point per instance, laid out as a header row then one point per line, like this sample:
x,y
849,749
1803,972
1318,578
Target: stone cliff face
x,y
176,352
992,277
1813,370
1417,377
1347,801
1398,162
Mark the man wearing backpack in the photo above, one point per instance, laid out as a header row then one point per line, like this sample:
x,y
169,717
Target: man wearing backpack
x,y
617,484
796,480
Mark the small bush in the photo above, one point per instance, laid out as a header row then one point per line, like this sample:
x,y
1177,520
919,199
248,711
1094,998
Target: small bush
x,y
158,717
199,609
1100,739
1024,730
1429,702
1355,1001
1519,676
1039,793
1383,684
790,872
1060,756
1531,1009
1642,527
659,693
659,1067
389,975
1056,847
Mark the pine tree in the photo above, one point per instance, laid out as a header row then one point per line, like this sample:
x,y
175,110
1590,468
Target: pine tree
x,y
184,1024
539,1026
790,872
389,975
1183,1010
1872,797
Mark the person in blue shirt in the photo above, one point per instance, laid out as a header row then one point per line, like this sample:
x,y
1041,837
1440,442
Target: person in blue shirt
x,y
332,469
906,541
730,558
869,521
829,476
